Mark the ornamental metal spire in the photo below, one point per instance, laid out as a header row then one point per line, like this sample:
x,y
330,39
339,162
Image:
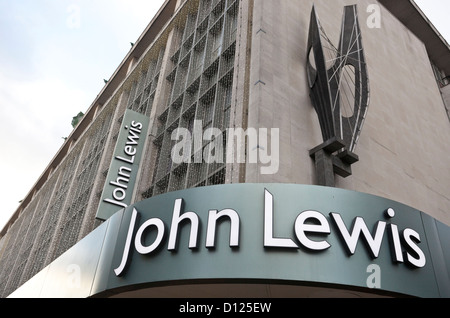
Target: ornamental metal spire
x,y
339,90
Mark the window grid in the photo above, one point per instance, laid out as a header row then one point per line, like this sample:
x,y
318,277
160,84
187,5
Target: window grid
x,y
201,80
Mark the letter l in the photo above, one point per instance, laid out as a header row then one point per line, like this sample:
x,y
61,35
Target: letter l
x,y
269,240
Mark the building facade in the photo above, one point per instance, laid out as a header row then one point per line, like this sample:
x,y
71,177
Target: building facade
x,y
167,126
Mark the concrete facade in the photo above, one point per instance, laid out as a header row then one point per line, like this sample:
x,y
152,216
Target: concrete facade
x,y
404,146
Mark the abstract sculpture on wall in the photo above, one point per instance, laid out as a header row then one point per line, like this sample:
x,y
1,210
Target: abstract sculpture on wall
x,y
339,90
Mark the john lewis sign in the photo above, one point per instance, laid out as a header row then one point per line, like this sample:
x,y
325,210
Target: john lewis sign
x,y
277,232
311,229
257,233
122,174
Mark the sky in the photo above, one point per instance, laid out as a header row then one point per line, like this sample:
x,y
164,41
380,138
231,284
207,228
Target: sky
x,y
438,12
54,56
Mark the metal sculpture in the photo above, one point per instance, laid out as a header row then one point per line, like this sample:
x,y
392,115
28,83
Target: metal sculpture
x,y
339,90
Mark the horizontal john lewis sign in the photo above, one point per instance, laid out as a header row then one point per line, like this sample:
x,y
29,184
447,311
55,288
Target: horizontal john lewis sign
x,y
281,234
319,223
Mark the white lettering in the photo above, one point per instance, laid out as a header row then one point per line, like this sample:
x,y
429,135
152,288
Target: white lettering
x,y
124,177
301,228
137,125
269,240
130,161
130,151
176,220
119,204
119,194
359,226
411,237
132,137
397,254
308,225
212,224
126,251
138,239
190,308
122,181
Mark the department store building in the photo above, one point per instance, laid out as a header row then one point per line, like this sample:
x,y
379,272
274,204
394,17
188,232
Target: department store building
x,y
252,148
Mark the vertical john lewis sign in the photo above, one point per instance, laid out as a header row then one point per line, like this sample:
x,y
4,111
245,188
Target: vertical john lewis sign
x,y
121,178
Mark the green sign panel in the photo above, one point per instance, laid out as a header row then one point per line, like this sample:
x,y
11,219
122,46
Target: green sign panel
x,y
122,173
270,233
278,232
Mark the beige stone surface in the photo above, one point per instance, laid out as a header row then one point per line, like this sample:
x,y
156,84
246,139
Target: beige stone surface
x,y
404,147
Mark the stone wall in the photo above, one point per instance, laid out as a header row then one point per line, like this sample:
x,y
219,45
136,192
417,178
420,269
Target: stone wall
x,y
404,146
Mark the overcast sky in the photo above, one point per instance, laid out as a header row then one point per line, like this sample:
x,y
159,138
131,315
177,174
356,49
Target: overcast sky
x,y
54,55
